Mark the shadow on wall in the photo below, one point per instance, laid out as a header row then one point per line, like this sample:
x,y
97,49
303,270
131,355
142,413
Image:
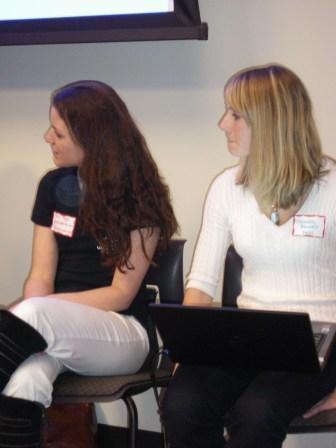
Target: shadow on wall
x,y
133,64
17,192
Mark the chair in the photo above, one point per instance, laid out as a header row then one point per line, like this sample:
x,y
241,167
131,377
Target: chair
x,y
167,276
323,422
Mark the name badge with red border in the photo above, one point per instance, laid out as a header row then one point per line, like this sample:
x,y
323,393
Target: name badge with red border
x,y
309,225
63,224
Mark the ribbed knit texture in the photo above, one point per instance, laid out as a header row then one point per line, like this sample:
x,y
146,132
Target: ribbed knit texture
x,y
281,271
20,423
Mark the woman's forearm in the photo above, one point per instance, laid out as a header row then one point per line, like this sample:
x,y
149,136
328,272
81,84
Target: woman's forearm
x,y
37,287
107,298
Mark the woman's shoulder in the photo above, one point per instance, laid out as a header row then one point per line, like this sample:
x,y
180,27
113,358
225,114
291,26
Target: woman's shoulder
x,y
58,173
224,185
60,187
54,176
226,178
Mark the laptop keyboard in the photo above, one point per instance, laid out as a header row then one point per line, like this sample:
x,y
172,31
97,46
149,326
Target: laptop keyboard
x,y
319,339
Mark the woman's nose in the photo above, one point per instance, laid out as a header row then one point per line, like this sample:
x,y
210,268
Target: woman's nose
x,y
48,136
222,124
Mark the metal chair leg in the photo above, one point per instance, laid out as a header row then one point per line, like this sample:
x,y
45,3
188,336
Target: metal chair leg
x,y
164,441
132,421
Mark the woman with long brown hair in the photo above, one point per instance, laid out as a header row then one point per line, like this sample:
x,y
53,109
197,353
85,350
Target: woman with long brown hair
x,y
98,219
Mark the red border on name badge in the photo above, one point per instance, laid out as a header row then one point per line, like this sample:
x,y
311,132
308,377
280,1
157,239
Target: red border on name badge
x,y
63,224
317,221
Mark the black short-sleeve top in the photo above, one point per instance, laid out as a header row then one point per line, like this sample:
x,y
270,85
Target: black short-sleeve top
x,y
80,264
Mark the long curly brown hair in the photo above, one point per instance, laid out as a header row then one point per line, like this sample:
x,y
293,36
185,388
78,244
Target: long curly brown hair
x,y
123,189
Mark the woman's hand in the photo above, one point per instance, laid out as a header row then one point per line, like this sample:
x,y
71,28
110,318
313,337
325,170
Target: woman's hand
x,y
326,404
196,297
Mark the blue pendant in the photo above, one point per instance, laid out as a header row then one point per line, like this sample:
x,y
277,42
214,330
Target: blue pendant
x,y
275,216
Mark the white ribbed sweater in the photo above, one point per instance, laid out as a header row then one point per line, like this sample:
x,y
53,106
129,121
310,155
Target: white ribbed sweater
x,y
281,271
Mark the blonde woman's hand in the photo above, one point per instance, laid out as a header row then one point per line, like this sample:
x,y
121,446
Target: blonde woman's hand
x,y
326,404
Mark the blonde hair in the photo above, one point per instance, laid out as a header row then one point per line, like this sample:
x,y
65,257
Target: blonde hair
x,y
285,156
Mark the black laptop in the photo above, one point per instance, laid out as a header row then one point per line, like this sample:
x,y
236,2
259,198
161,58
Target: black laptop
x,y
234,337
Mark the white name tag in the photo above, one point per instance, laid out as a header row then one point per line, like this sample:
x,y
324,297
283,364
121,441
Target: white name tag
x,y
63,224
309,225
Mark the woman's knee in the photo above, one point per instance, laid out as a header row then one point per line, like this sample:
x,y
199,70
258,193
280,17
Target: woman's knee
x,y
29,309
255,417
35,312
33,379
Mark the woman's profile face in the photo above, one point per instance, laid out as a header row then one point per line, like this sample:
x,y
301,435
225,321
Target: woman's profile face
x,y
65,151
238,133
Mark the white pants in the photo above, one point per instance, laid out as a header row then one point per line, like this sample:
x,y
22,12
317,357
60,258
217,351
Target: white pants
x,y
80,338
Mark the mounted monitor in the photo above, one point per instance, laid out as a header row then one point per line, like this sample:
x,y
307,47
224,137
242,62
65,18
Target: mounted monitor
x,y
25,22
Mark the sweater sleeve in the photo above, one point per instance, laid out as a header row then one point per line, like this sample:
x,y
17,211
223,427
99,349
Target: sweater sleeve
x,y
213,241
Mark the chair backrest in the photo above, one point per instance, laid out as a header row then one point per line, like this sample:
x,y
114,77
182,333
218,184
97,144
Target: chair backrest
x,y
232,277
167,273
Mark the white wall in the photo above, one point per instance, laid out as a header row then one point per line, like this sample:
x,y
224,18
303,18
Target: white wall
x,y
174,89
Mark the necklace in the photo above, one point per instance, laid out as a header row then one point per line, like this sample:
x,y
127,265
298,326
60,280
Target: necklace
x,y
275,218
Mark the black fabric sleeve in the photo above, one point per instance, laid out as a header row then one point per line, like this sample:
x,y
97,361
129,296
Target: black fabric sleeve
x,y
43,207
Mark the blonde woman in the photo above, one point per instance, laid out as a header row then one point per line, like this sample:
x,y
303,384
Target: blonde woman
x,y
261,205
